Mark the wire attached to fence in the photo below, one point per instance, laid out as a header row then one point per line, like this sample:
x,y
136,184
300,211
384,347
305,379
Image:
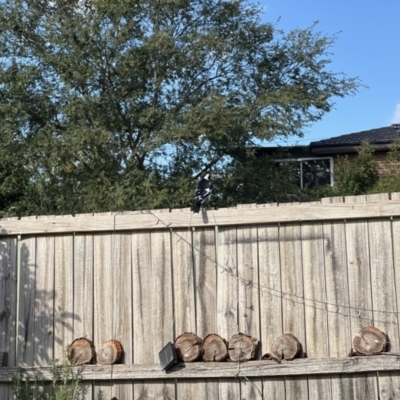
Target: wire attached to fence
x,y
276,292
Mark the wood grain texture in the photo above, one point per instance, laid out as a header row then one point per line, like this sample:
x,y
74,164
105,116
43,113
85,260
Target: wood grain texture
x,y
293,297
122,323
206,296
206,281
314,290
83,317
249,300
43,331
83,286
8,298
270,286
227,298
6,391
336,275
384,298
360,295
142,286
316,315
271,324
396,264
183,278
8,305
153,309
247,261
163,306
321,280
359,274
337,288
222,217
103,301
184,295
63,294
225,370
26,306
227,285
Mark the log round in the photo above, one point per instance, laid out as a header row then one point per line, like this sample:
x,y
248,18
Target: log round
x,y
242,347
214,348
369,341
81,351
285,347
110,352
188,347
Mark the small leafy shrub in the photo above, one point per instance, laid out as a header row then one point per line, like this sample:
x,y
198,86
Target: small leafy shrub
x,y
391,183
64,385
358,176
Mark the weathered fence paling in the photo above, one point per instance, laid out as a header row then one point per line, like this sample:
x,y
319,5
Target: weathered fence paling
x,y
318,271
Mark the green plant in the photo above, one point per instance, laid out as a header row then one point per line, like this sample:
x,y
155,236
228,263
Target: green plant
x,y
391,182
65,385
393,159
358,176
112,105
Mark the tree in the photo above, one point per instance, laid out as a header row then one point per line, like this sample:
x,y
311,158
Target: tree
x,y
121,104
359,176
260,179
391,182
352,177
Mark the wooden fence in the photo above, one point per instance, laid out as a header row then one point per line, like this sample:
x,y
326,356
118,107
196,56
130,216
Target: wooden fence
x,y
318,270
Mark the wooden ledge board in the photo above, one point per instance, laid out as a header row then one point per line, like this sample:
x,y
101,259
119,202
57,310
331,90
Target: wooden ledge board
x,y
202,370
222,217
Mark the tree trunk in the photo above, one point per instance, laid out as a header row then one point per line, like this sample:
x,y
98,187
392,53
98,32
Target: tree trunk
x,y
188,347
243,347
285,347
110,352
214,348
368,341
81,351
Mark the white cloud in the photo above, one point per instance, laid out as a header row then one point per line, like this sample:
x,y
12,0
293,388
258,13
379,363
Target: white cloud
x,y
396,116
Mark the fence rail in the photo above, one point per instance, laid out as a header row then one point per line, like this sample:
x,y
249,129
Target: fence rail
x,y
183,218
211,370
319,270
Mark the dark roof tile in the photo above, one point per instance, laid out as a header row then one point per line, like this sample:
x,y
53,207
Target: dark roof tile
x,y
387,134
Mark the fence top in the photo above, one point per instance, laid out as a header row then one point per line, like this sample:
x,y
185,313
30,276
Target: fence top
x,y
338,208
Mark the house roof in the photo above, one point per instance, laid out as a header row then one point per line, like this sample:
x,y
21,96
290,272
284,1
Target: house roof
x,y
386,135
380,138
286,151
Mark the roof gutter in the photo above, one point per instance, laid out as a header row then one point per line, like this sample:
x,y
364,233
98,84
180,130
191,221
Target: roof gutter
x,y
335,149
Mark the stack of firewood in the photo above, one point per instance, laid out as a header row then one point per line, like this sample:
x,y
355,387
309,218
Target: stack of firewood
x,y
239,348
81,351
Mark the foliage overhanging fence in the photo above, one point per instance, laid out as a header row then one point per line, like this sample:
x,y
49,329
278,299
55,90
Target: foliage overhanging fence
x,y
319,270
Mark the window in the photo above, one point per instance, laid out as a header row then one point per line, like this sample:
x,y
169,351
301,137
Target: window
x,y
313,171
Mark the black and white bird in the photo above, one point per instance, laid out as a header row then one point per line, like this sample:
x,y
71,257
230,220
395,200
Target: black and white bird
x,y
203,192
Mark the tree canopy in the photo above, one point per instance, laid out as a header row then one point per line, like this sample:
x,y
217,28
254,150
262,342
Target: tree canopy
x,y
121,104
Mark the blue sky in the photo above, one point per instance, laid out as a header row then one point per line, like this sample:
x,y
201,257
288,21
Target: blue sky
x,y
368,46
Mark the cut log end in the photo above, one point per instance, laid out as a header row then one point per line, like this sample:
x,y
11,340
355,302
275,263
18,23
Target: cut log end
x,y
286,347
81,351
214,348
370,340
243,347
188,347
110,352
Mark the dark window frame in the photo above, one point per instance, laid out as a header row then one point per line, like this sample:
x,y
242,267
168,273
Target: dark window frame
x,y
300,160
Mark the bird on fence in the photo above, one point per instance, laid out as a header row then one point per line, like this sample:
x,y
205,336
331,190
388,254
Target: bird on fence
x,y
203,192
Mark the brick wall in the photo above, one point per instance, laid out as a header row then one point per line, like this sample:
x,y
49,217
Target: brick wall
x,y
380,158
